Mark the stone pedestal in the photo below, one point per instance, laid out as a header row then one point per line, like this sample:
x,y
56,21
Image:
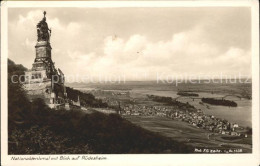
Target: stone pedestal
x,y
43,59
43,50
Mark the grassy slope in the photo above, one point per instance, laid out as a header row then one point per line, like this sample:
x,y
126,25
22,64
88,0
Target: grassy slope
x,y
33,128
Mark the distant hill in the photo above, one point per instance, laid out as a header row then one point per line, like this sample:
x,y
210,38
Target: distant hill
x,y
241,87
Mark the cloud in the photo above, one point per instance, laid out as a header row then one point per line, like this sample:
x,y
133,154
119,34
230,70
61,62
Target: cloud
x,y
184,53
28,43
23,37
104,43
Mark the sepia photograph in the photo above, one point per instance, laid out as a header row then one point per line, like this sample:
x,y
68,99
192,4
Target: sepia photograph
x,y
130,79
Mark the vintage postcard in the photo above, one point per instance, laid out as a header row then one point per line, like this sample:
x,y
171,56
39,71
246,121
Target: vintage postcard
x,y
132,82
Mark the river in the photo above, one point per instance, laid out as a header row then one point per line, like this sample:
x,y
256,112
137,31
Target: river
x,y
242,114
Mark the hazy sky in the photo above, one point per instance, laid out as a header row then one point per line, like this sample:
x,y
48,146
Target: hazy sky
x,y
137,41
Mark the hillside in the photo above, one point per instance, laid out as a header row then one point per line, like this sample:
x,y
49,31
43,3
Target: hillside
x,y
34,128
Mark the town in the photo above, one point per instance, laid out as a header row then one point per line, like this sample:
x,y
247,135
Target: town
x,y
127,106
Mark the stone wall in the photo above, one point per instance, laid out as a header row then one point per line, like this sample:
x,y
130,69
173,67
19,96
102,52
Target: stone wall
x,y
35,76
39,90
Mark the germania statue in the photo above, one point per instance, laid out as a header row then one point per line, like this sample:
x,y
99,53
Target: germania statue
x,y
43,32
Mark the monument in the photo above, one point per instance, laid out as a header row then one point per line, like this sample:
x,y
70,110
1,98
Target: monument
x,y
44,80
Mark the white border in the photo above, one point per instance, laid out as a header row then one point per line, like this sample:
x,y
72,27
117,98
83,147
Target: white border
x,y
141,159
